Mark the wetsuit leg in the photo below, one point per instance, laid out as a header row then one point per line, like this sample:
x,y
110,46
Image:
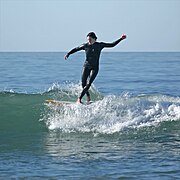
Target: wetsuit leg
x,y
85,74
92,76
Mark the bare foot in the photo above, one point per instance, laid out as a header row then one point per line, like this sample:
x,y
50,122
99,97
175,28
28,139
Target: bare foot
x,y
88,99
78,101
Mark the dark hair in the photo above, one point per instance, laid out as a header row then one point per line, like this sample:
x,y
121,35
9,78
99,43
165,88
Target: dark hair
x,y
93,35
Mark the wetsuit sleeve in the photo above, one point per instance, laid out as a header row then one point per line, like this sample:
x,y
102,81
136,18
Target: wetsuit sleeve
x,y
79,48
111,44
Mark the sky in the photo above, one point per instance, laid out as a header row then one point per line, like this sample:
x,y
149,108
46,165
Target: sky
x,y
60,25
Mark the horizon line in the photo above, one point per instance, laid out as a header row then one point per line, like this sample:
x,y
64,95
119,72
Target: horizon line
x,y
81,52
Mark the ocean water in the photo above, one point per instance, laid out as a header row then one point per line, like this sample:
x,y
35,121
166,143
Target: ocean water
x,y
131,131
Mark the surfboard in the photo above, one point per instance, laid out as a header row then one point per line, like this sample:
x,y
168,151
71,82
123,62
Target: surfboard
x,y
55,102
59,102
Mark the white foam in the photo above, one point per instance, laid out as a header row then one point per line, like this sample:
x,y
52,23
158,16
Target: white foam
x,y
112,114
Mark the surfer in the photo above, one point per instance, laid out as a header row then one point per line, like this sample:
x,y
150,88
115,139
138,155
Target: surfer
x,y
91,66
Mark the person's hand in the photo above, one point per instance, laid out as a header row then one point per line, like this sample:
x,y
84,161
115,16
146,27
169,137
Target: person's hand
x,y
66,56
123,36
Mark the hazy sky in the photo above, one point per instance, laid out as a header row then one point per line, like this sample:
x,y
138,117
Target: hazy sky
x,y
60,25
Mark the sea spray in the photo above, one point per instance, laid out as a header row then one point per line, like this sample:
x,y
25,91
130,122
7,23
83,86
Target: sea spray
x,y
112,114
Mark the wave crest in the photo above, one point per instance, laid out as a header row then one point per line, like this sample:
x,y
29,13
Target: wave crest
x,y
113,114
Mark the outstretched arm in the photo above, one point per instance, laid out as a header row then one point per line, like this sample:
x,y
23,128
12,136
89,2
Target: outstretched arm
x,y
73,51
115,42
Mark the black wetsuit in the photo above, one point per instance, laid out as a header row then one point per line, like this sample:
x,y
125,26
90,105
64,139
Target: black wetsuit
x,y
91,65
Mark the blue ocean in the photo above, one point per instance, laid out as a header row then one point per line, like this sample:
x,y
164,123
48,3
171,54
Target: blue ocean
x,y
130,131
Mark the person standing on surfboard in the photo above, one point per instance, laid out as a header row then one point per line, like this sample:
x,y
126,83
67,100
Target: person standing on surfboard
x,y
91,66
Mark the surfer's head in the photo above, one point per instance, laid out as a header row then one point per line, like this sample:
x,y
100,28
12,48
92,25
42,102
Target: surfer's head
x,y
91,37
